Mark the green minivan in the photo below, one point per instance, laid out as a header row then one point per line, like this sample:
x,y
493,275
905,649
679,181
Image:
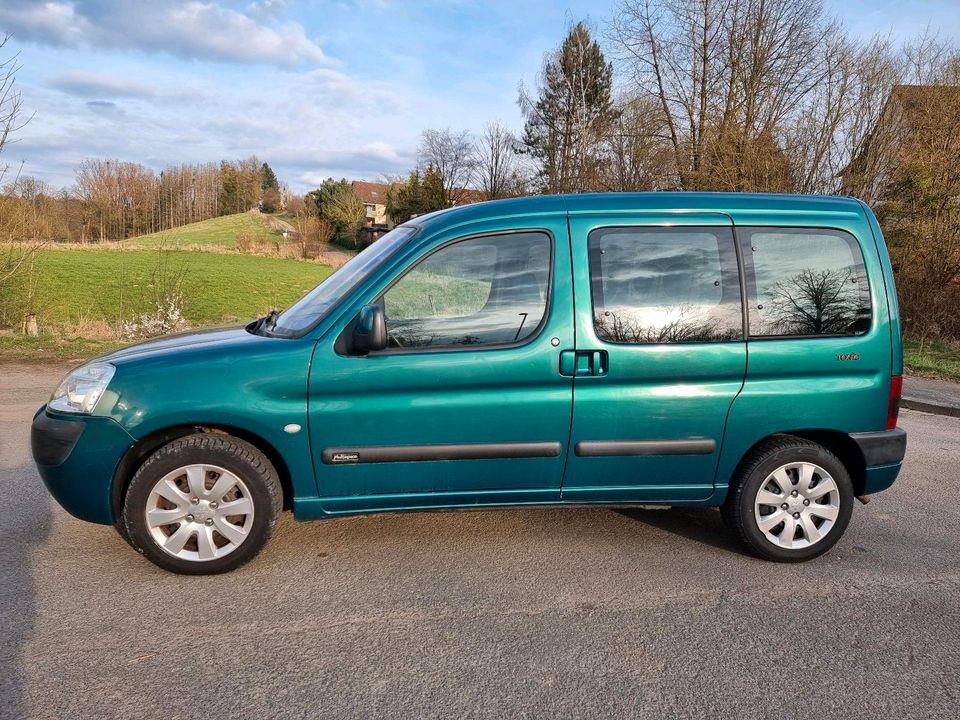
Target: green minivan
x,y
731,350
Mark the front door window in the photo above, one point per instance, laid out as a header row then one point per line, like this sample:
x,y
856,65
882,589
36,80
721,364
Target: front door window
x,y
484,291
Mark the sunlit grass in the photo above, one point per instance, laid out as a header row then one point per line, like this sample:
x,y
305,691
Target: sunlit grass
x,y
936,360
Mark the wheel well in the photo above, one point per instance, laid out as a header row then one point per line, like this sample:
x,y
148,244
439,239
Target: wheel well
x,y
146,446
840,444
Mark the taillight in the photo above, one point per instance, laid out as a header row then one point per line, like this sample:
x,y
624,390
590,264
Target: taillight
x,y
893,408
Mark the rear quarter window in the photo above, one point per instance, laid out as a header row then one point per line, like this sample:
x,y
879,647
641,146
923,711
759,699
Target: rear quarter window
x,y
804,282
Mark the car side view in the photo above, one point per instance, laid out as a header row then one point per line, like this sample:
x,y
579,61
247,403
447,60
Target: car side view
x,y
730,350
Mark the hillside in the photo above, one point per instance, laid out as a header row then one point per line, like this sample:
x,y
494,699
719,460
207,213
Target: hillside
x,y
222,231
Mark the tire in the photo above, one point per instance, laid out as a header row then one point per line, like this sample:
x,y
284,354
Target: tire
x,y
186,482
805,505
121,527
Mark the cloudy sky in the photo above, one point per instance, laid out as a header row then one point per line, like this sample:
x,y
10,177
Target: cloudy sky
x,y
315,88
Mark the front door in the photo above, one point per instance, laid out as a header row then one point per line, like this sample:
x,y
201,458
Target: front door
x,y
659,357
465,406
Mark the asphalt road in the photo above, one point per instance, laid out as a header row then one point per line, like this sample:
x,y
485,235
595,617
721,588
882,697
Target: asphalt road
x,y
523,613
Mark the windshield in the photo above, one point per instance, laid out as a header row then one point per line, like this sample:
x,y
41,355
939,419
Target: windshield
x,y
307,311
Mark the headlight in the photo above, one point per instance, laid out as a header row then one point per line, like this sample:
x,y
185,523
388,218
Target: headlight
x,y
81,389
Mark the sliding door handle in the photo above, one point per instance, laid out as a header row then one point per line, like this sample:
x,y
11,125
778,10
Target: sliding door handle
x,y
583,363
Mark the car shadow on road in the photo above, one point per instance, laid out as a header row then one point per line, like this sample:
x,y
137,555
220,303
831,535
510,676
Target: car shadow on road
x,y
25,521
702,525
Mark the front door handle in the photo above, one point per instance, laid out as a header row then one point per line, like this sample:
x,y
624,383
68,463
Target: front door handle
x,y
583,363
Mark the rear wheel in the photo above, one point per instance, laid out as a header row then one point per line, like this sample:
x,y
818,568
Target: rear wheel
x,y
202,504
790,501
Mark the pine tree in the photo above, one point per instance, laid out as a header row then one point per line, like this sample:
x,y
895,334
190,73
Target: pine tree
x,y
229,188
566,123
268,180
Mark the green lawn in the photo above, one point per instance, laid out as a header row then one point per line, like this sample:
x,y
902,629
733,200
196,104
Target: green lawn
x,y
215,231
74,286
53,348
936,360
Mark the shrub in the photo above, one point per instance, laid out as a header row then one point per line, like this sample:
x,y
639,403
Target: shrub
x,y
249,241
164,310
312,236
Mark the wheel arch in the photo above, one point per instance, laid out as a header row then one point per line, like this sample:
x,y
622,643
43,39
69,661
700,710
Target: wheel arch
x,y
147,445
839,443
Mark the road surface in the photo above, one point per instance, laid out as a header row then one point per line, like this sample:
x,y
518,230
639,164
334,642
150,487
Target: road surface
x,y
522,613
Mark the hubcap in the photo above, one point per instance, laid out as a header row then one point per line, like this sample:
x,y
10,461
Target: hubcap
x,y
199,512
797,505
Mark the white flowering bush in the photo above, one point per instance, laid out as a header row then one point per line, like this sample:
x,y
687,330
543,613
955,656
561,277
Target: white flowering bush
x,y
159,311
165,318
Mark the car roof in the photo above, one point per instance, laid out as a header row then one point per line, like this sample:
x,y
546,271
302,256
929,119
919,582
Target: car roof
x,y
666,202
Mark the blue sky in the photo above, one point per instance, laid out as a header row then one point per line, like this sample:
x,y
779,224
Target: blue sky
x,y
314,88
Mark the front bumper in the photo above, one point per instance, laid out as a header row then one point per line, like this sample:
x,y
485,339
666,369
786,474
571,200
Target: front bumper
x,y
883,453
77,457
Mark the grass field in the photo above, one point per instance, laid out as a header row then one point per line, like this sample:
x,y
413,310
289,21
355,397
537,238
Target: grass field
x,y
74,286
83,295
936,360
221,231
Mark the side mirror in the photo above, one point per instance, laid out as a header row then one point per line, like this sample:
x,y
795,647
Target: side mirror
x,y
370,330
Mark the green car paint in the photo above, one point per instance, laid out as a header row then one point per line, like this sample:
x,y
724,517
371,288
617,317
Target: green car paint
x,y
562,416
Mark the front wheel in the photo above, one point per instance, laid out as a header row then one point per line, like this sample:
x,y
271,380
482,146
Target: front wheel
x,y
202,504
790,501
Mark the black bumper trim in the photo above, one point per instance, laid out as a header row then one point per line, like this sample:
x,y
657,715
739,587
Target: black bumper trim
x,y
634,448
426,453
885,447
52,440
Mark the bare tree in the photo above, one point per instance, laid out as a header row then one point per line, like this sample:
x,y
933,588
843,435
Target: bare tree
x,y
636,151
452,154
11,101
729,76
499,174
841,113
930,59
18,215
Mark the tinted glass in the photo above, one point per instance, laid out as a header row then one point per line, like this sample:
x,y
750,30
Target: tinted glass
x,y
308,310
665,285
483,291
805,282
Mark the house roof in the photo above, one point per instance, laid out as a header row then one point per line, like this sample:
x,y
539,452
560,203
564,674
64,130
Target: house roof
x,y
467,196
371,193
912,96
914,110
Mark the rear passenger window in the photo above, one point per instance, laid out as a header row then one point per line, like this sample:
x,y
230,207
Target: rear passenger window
x,y
665,285
805,282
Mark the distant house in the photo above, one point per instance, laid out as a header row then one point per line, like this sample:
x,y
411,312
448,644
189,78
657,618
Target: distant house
x,y
374,197
914,118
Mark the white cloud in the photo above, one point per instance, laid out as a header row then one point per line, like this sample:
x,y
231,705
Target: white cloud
x,y
35,21
206,29
189,29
